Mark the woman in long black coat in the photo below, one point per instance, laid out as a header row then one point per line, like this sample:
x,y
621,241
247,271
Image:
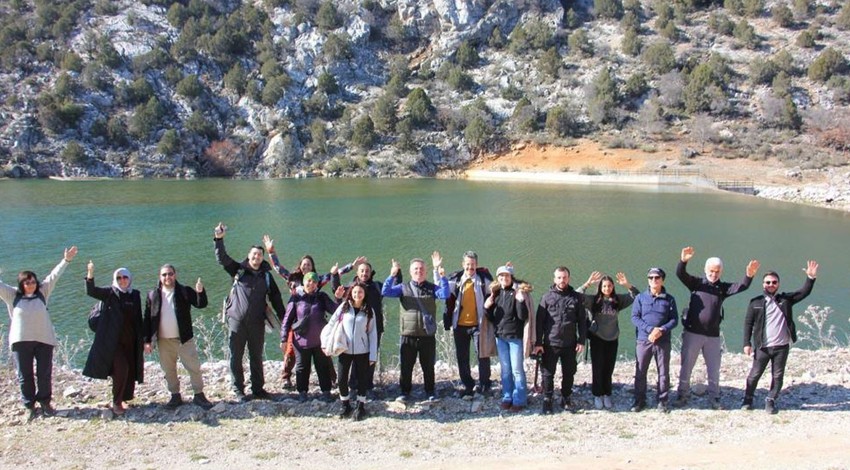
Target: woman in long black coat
x,y
117,350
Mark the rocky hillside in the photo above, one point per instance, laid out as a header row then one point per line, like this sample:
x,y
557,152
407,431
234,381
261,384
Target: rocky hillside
x,y
267,88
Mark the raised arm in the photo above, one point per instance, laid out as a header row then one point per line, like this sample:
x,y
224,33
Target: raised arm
x,y
391,287
99,293
221,256
811,271
689,281
49,282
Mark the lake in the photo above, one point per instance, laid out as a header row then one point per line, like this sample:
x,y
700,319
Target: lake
x,y
144,224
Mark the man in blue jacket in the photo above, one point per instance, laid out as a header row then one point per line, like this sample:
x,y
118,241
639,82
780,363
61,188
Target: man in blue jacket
x,y
769,330
654,315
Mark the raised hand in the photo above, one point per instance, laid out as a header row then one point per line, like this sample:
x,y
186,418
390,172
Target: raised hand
x,y
436,259
687,254
811,269
358,260
90,270
335,268
268,243
199,286
395,268
621,280
70,253
595,277
219,231
753,267
339,292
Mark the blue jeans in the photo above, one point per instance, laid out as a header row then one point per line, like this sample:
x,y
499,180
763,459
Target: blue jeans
x,y
514,389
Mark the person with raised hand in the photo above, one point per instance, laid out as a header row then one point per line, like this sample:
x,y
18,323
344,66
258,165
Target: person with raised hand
x,y
117,349
769,330
31,334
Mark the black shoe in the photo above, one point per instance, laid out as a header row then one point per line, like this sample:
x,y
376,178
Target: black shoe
x,y
638,407
716,404
567,405
302,397
326,397
662,407
681,401
770,406
547,406
240,397
747,404
360,412
201,400
467,394
46,409
176,400
262,395
346,409
287,384
31,413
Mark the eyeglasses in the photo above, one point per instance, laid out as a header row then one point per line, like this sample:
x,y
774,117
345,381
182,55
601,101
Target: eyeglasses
x,y
652,278
122,277
771,283
29,282
167,274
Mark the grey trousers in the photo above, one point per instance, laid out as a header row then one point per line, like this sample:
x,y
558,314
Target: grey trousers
x,y
170,350
692,345
644,353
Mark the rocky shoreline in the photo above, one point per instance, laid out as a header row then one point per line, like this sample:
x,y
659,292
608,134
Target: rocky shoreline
x,y
451,433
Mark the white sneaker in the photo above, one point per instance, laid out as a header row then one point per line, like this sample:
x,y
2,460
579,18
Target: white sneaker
x,y
597,402
606,402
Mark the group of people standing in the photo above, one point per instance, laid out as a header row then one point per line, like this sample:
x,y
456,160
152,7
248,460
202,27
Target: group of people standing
x,y
488,317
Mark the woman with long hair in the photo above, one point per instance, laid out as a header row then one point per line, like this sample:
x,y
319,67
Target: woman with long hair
x,y
31,334
604,331
357,320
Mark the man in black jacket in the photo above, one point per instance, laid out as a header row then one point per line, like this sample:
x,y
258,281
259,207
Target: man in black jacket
x,y
246,313
168,320
561,330
769,330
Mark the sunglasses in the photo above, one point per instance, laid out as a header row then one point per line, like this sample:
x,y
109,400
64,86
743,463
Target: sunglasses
x,y
771,283
121,277
653,277
29,282
167,274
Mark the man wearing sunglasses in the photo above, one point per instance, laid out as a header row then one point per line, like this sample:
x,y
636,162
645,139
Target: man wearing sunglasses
x,y
769,330
654,315
168,320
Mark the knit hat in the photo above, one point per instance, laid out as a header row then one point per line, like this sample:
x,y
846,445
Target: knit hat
x,y
505,270
311,275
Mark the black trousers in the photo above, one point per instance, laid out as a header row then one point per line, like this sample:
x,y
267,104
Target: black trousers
x,y
426,348
353,380
777,357
353,363
463,336
253,335
302,368
567,357
26,353
603,357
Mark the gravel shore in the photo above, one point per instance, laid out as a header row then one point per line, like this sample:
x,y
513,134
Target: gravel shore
x,y
810,431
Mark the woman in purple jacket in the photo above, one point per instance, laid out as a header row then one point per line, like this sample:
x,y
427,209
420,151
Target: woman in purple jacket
x,y
305,317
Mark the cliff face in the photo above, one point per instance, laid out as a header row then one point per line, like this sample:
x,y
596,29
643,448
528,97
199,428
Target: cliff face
x,y
407,87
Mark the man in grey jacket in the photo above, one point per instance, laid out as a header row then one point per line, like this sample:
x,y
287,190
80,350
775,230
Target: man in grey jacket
x,y
246,313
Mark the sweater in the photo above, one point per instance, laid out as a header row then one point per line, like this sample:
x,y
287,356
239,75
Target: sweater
x,y
30,319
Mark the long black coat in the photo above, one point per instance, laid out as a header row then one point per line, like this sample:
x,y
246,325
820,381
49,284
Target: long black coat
x,y
99,361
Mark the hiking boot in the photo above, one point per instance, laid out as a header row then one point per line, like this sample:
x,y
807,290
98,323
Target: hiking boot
x,y
360,412
606,402
346,409
662,407
326,397
261,394
302,397
176,400
46,409
681,401
715,404
201,400
770,406
505,405
597,403
567,405
287,384
747,404
240,397
547,406
637,407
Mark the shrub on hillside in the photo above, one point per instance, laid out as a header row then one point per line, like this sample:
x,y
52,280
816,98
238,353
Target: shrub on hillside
x,y
236,79
806,40
579,43
762,71
74,154
328,18
327,83
782,15
843,19
190,87
363,135
745,33
830,62
384,113
631,43
612,9
419,108
659,57
477,132
550,63
467,55
753,8
169,143
721,24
